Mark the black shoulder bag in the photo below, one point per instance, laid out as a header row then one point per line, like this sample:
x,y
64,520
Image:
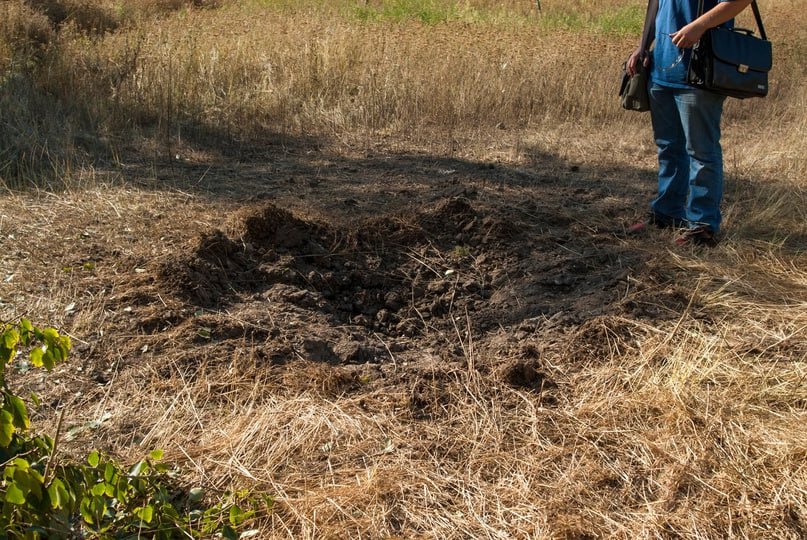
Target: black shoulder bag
x,y
732,61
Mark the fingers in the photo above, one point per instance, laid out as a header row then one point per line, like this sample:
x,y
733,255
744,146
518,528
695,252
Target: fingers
x,y
630,67
632,64
686,37
679,39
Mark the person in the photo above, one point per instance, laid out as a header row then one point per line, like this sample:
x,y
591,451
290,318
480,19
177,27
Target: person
x,y
685,119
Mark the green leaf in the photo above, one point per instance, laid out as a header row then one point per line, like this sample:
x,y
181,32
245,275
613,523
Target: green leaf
x,y
6,428
156,455
146,514
268,501
20,463
50,336
205,333
98,507
6,355
84,509
109,473
169,511
229,533
30,481
14,495
141,467
10,338
98,489
26,326
59,497
236,515
93,459
195,495
47,359
36,356
8,345
19,411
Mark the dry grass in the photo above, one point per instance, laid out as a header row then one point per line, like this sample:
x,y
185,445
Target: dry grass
x,y
689,427
695,433
107,75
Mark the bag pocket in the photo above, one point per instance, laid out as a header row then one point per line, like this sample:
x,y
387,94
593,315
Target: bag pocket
x,y
633,94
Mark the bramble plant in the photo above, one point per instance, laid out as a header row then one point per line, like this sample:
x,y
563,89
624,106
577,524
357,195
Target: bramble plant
x,y
42,498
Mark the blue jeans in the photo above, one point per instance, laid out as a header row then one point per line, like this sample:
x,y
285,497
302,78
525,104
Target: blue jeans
x,y
686,126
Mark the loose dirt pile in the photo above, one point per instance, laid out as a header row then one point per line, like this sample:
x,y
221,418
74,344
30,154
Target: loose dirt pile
x,y
383,288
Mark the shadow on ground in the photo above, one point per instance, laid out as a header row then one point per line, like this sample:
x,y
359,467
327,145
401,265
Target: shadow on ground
x,y
354,258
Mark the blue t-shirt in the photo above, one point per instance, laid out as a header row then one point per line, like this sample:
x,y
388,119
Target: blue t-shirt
x,y
669,68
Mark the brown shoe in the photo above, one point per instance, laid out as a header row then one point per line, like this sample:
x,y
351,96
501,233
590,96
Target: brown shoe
x,y
697,236
656,220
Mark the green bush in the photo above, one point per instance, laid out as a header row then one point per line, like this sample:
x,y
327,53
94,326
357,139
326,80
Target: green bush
x,y
41,497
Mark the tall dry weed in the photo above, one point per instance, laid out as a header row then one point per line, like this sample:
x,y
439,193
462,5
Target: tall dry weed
x,y
248,69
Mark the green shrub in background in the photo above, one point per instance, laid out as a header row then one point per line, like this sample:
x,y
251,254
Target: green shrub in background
x,y
41,497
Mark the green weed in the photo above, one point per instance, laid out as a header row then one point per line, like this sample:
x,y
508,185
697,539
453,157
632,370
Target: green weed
x,y
626,20
425,11
45,497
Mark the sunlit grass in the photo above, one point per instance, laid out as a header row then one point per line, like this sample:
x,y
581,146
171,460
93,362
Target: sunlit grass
x,y
691,426
160,67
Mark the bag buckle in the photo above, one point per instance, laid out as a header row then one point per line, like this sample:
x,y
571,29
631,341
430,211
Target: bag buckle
x,y
742,68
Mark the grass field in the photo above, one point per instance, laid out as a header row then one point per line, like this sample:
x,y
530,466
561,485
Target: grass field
x,y
368,257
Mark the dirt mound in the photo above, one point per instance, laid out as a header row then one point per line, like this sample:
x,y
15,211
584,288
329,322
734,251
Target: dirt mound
x,y
456,220
601,338
206,276
272,227
399,230
382,275
526,374
454,209
370,291
218,266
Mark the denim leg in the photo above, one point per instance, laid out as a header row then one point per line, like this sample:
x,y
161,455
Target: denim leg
x,y
700,114
673,160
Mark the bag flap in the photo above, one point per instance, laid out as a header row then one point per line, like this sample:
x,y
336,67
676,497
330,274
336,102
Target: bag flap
x,y
738,48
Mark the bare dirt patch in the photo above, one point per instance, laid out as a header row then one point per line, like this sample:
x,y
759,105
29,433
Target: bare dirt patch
x,y
367,289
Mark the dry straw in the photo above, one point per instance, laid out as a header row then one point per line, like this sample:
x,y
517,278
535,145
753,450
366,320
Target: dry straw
x,y
689,424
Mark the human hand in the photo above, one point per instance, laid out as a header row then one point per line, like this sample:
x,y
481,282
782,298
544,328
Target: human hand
x,y
632,65
687,36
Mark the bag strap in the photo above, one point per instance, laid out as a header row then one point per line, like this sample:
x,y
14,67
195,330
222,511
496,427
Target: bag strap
x,y
757,16
649,25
